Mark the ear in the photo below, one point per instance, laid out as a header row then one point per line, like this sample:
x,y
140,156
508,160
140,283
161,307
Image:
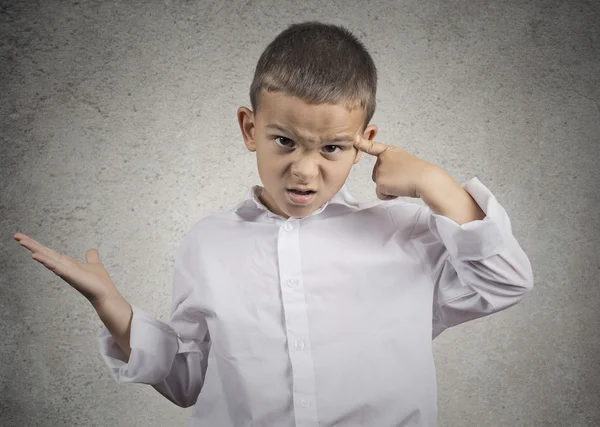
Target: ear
x,y
246,121
369,133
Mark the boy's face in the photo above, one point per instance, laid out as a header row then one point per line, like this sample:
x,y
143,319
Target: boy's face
x,y
294,148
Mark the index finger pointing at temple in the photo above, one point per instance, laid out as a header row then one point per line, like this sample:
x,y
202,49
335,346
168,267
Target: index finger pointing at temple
x,y
370,147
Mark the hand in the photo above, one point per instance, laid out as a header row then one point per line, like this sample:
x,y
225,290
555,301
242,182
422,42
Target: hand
x,y
396,173
90,279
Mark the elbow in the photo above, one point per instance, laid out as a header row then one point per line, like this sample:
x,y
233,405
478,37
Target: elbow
x,y
528,287
521,289
521,280
511,293
524,289
527,279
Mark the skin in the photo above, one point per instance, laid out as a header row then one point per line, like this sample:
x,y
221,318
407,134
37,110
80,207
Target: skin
x,y
301,155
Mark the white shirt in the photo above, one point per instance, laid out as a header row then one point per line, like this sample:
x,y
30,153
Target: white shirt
x,y
322,321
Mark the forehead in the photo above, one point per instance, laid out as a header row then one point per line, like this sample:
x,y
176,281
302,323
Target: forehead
x,y
285,110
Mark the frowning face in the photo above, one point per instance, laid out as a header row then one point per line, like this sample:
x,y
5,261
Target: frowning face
x,y
299,145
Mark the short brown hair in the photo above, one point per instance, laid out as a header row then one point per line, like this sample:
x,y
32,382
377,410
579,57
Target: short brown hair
x,y
318,63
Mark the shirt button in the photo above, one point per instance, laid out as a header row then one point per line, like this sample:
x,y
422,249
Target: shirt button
x,y
305,403
291,283
299,345
288,226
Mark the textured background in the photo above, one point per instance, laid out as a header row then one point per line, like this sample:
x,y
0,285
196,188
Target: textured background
x,y
118,131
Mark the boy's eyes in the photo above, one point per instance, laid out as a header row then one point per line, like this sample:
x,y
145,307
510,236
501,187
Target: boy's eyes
x,y
286,141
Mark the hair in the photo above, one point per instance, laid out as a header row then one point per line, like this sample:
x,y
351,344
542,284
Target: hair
x,y
318,63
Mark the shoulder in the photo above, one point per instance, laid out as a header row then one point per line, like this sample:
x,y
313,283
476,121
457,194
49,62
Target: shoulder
x,y
406,217
207,229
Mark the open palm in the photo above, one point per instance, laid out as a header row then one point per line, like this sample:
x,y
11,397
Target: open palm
x,y
90,278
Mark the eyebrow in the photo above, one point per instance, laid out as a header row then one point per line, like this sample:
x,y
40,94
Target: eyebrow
x,y
337,139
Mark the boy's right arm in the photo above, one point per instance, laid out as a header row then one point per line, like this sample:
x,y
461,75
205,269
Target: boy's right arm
x,y
135,346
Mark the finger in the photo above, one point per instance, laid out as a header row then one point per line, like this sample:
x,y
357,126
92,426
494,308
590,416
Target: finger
x,y
19,237
58,266
37,248
370,147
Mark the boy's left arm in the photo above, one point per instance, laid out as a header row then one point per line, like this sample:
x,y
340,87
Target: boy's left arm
x,y
465,235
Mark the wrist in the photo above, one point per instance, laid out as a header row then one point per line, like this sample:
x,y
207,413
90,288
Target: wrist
x,y
116,314
108,299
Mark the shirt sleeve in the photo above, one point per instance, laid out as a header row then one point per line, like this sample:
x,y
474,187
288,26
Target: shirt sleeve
x,y
172,358
478,268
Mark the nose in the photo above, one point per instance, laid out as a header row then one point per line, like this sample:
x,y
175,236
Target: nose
x,y
305,168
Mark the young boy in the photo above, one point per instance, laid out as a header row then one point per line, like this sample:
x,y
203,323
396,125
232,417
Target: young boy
x,y
311,309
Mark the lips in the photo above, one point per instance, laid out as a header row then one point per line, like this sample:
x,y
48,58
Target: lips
x,y
302,190
299,198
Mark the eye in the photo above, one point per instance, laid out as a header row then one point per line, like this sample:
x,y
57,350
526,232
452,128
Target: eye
x,y
341,148
284,138
290,141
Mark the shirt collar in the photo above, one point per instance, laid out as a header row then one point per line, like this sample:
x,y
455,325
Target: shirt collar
x,y
341,199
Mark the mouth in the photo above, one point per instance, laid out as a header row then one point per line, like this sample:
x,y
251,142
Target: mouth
x,y
300,197
299,191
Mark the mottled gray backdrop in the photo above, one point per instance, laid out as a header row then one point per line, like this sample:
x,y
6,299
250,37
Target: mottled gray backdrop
x,y
119,132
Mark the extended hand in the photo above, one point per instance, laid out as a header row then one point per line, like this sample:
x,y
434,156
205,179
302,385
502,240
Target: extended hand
x,y
90,279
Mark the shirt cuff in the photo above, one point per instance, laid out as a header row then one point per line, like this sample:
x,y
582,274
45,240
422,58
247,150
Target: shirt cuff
x,y
153,343
479,239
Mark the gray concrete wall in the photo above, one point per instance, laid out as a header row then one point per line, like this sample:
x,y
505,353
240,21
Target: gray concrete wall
x,y
118,131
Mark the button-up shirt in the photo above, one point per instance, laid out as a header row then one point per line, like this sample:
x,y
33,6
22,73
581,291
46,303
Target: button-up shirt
x,y
325,320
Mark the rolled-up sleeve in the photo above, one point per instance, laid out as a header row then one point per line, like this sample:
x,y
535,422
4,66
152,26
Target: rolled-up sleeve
x,y
478,268
172,358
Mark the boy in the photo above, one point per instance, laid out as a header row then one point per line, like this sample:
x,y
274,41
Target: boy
x,y
300,306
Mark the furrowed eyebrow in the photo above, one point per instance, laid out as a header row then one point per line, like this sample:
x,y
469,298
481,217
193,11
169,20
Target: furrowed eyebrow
x,y
337,139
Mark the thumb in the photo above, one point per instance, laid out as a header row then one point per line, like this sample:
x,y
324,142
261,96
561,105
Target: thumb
x,y
370,147
92,256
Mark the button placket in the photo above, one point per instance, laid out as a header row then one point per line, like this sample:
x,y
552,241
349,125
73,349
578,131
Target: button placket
x,y
296,324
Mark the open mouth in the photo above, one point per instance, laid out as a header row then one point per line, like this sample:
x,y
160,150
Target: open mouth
x,y
300,197
304,193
